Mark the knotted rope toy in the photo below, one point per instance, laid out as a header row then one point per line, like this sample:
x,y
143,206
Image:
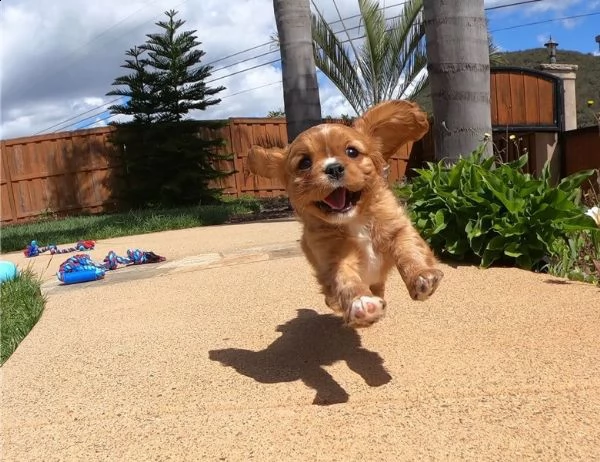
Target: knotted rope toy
x,y
33,249
81,268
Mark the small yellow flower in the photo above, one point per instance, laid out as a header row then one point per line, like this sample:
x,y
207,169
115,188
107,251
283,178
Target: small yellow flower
x,y
590,102
511,137
594,212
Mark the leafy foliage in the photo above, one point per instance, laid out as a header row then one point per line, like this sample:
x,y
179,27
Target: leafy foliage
x,y
170,163
483,210
578,257
387,64
137,87
276,113
170,159
384,62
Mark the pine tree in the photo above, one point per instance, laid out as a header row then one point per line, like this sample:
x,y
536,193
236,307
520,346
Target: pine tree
x,y
173,57
170,158
139,88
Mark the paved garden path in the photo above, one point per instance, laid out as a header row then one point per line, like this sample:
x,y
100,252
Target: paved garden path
x,y
226,352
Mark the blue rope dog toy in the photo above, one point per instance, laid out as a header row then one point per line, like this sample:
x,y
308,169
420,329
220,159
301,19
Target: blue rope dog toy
x,y
33,249
81,268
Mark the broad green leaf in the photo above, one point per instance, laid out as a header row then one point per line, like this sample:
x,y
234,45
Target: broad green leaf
x,y
496,243
579,223
524,261
440,223
519,163
499,190
478,244
513,250
508,228
457,246
489,257
575,180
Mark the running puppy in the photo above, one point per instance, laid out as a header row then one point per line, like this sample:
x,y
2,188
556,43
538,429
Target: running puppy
x,y
354,230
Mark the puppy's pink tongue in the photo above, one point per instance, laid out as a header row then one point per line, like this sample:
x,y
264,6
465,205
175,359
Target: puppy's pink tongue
x,y
337,199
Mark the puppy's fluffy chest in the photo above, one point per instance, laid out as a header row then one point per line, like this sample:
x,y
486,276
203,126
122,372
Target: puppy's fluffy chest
x,y
371,261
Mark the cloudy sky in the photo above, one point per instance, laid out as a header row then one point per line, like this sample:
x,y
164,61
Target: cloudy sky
x,y
59,58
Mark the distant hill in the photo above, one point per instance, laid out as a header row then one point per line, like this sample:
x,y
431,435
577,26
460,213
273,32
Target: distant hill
x,y
587,84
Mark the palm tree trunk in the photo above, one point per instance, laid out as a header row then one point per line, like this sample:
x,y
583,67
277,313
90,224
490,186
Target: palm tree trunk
x,y
300,88
458,63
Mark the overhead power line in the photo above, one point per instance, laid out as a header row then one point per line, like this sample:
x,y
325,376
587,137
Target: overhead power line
x,y
514,4
498,7
241,92
275,41
68,60
575,16
77,116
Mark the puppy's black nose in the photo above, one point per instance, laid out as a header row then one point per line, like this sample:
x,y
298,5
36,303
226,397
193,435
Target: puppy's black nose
x,y
335,171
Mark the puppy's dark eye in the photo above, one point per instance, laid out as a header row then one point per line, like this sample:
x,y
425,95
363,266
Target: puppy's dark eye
x,y
305,163
352,152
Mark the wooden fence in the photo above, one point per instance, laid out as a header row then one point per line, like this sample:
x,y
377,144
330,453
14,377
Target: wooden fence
x,y
60,173
80,171
582,149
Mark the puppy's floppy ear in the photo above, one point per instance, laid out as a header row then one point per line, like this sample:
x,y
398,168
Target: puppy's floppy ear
x,y
266,162
393,124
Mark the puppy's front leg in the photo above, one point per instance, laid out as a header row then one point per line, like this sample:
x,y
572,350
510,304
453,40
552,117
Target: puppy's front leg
x,y
345,291
415,262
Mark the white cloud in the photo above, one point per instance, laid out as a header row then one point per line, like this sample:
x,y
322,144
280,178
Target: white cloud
x,y
58,59
333,103
93,101
570,23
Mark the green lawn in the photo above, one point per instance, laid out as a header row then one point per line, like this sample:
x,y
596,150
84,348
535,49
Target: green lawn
x,y
21,307
96,227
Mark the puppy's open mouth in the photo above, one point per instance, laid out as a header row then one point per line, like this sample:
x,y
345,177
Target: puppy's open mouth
x,y
339,201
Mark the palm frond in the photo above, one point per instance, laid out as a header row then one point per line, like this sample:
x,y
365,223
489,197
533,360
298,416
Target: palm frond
x,y
407,48
333,59
374,48
419,83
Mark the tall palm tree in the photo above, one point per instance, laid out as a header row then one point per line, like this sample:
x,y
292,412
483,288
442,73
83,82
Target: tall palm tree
x,y
459,72
300,87
388,63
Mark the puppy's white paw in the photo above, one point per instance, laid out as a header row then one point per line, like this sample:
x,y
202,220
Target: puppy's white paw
x,y
365,311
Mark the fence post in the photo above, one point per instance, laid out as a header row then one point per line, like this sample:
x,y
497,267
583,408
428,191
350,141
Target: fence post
x,y
238,165
6,174
236,162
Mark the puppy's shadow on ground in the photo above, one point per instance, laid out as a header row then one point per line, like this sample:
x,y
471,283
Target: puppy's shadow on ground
x,y
308,342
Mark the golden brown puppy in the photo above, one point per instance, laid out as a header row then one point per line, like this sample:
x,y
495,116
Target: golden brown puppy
x,y
354,229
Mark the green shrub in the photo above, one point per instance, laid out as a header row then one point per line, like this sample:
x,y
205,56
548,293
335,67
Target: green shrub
x,y
483,210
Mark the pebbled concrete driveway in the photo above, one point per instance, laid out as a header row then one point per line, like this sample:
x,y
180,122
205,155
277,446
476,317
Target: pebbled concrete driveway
x,y
226,352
